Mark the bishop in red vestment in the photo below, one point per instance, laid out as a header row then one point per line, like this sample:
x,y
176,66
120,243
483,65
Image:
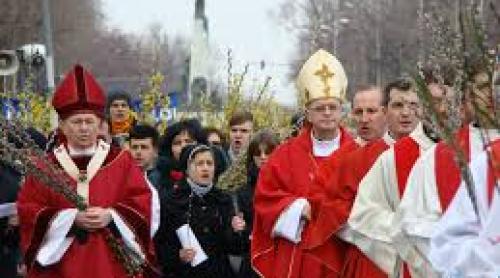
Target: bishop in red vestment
x,y
57,239
282,196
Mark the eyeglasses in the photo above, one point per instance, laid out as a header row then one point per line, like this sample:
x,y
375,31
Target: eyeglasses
x,y
324,108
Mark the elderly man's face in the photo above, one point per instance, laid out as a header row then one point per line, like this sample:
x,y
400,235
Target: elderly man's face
x,y
324,114
81,130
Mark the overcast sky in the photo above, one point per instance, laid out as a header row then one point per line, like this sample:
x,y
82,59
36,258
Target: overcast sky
x,y
245,26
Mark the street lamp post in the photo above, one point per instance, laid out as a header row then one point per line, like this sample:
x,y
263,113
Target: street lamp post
x,y
338,24
47,32
49,60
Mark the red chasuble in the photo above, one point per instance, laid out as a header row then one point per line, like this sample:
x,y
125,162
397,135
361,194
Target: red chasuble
x,y
448,175
119,184
340,183
287,176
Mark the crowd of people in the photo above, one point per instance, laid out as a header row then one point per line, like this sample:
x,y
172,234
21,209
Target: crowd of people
x,y
386,198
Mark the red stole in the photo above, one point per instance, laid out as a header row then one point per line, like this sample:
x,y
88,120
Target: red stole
x,y
406,152
447,172
287,176
493,169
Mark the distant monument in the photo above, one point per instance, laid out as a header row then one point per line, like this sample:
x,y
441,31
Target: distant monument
x,y
201,58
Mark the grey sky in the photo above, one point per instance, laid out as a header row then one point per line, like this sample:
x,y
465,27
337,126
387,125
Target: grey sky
x,y
245,26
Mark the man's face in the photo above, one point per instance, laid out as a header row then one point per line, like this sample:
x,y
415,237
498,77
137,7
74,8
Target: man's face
x,y
369,114
81,130
144,152
403,112
239,136
481,101
441,99
180,141
119,110
324,114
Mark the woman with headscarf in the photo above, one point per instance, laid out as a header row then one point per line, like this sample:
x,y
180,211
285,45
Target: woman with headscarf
x,y
196,211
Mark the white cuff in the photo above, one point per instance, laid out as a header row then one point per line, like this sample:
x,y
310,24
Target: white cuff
x,y
127,234
290,223
55,243
155,208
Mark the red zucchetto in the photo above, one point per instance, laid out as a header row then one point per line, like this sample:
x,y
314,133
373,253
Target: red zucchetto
x,y
79,93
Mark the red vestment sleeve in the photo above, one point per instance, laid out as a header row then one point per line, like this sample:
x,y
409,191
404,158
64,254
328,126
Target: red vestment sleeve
x,y
270,197
35,214
135,204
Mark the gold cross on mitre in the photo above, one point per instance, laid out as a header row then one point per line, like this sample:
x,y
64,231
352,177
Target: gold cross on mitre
x,y
325,74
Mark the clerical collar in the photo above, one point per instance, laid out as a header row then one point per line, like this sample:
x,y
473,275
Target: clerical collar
x,y
488,134
324,148
431,133
419,135
388,138
478,126
360,141
82,152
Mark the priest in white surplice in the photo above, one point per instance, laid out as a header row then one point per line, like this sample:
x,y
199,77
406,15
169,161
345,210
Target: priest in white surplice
x,y
435,179
466,244
370,224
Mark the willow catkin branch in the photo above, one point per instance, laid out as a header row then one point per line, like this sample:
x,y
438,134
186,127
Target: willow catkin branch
x,y
235,176
264,88
447,134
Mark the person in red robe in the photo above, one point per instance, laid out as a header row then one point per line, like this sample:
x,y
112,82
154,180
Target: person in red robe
x,y
281,202
379,123
57,239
